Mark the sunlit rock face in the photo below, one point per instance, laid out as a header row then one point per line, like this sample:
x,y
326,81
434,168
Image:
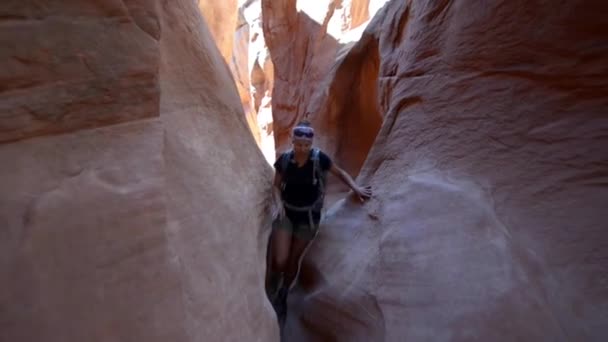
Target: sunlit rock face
x,y
132,194
255,73
489,172
222,18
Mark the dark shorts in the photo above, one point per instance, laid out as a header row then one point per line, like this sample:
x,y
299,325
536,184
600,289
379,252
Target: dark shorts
x,y
298,223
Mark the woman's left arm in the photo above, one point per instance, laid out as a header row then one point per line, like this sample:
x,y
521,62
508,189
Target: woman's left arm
x,y
362,192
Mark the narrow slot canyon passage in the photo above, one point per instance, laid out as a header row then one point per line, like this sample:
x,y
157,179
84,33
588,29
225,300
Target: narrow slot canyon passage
x,y
137,150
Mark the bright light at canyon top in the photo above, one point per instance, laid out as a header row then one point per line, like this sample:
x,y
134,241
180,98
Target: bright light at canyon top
x,y
347,21
316,9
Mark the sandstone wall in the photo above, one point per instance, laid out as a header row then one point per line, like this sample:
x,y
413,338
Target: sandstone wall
x,y
133,195
488,221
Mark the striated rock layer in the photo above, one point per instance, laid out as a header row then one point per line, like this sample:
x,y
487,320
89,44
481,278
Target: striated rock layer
x,y
490,169
62,69
142,220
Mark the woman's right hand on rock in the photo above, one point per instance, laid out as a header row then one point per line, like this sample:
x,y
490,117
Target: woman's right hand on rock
x,y
278,211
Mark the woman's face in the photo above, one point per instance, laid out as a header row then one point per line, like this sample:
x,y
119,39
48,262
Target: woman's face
x,y
301,146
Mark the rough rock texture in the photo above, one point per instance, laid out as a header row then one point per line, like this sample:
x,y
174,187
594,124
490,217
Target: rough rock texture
x,y
304,39
148,226
490,169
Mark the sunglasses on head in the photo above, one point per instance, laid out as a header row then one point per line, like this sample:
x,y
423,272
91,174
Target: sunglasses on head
x,y
303,133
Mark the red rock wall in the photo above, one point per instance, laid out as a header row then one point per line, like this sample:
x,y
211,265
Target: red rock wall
x,y
347,111
488,221
143,220
62,69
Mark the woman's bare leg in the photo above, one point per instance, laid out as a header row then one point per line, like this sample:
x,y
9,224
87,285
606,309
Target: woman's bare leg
x,y
280,244
298,248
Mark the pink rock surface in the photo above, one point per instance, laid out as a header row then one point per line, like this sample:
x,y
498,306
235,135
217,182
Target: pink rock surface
x,y
147,230
489,171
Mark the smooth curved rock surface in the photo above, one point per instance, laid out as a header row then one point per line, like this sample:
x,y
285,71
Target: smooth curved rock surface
x,y
488,221
231,34
346,112
236,28
148,224
222,19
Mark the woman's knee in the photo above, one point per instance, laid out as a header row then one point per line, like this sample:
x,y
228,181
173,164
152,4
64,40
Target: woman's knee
x,y
280,252
280,262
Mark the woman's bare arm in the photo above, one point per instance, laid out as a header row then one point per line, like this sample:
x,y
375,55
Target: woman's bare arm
x,y
362,192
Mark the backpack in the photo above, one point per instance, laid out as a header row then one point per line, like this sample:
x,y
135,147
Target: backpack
x,y
318,176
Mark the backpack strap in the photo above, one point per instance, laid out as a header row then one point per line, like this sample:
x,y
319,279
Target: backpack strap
x,y
285,159
315,166
318,175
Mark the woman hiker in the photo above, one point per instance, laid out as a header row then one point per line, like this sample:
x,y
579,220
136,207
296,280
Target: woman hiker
x,y
298,193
